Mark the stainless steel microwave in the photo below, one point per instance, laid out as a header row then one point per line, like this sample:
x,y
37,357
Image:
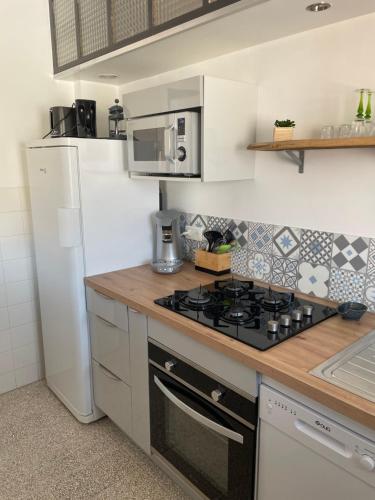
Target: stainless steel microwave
x,y
166,144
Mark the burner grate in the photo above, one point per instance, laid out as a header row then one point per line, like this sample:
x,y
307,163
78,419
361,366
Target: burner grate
x,y
234,287
274,301
241,310
238,314
198,299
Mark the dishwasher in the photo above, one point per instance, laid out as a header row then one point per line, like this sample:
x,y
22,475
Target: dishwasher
x,y
304,455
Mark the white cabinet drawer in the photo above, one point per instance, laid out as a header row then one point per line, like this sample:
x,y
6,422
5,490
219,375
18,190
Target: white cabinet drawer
x,y
107,308
113,397
110,347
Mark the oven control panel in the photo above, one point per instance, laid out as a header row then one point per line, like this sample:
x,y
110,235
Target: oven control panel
x,y
198,380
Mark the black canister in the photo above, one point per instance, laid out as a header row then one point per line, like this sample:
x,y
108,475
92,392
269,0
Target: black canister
x,y
63,121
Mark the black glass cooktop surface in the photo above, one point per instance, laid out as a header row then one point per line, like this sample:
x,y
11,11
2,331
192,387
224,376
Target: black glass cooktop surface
x,y
257,316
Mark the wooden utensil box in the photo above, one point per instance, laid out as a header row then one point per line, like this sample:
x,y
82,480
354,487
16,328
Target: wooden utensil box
x,y
213,263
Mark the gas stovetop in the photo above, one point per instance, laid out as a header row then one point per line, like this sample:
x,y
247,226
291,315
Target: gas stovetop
x,y
257,316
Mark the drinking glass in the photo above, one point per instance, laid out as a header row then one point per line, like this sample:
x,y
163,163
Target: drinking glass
x,y
358,128
327,132
345,131
369,128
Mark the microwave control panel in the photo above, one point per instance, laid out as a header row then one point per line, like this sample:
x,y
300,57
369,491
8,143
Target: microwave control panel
x,y
181,129
186,127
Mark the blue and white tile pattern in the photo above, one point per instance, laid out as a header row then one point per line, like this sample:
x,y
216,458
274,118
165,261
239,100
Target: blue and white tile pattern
x,y
260,237
260,266
316,247
346,285
350,252
323,264
286,241
313,279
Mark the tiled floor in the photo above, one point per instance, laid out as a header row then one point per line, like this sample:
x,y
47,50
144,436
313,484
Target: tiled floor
x,y
46,454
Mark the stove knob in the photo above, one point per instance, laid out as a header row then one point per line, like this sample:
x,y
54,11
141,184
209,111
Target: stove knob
x,y
217,395
367,462
307,310
273,326
169,365
285,320
297,315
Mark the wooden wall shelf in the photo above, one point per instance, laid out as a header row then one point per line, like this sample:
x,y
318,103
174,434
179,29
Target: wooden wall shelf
x,y
297,145
296,149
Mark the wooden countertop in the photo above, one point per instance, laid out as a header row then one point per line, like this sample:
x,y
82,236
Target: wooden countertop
x,y
288,363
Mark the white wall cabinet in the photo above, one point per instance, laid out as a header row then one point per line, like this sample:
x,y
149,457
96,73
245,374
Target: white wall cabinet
x,y
227,120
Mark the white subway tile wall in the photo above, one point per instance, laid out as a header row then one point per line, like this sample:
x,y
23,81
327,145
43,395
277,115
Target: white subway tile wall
x,y
20,337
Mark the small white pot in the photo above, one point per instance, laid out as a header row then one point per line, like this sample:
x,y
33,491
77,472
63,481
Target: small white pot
x,y
283,133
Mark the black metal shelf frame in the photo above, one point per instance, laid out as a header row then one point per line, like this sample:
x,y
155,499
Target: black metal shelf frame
x,y
207,6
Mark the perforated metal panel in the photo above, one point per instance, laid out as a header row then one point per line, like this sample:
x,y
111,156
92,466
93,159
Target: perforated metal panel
x,y
165,10
128,18
65,31
93,25
85,29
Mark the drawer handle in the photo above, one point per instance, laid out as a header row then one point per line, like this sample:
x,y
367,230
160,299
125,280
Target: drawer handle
x,y
134,311
108,374
105,297
106,322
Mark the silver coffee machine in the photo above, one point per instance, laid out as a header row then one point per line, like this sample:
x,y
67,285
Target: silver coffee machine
x,y
167,244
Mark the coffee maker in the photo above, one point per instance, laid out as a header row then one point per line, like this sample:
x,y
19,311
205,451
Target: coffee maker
x,y
85,117
77,121
167,242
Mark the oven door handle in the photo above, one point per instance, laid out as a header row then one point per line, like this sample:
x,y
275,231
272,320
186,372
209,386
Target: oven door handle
x,y
206,422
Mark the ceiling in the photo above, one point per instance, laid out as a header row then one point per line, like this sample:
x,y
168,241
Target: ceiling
x,y
242,26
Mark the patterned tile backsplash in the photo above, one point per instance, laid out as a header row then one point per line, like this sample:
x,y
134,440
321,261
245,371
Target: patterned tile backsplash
x,y
329,265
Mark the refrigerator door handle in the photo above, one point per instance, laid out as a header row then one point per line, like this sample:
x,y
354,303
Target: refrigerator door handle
x,y
69,227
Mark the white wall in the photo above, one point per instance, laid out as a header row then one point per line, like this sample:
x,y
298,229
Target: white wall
x,y
309,77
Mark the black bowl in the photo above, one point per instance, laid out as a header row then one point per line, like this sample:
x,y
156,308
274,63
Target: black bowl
x,y
352,310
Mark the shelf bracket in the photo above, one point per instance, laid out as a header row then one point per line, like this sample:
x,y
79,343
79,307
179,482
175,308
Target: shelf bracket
x,y
298,159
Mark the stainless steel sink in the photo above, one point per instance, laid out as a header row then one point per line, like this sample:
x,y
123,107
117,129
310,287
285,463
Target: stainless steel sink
x,y
353,368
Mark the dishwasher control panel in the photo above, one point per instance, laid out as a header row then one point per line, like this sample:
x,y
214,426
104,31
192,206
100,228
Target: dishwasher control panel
x,y
318,432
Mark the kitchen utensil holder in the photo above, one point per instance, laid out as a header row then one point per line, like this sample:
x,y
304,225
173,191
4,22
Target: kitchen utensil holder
x,y
213,263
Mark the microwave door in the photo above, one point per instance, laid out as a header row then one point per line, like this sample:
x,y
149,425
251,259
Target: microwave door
x,y
152,144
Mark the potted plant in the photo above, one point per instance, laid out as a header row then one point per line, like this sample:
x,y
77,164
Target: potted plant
x,y
283,130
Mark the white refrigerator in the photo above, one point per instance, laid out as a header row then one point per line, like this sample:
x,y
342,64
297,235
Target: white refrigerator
x,y
88,218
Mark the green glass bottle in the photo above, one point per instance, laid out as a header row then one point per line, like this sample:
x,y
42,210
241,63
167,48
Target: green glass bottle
x,y
368,107
360,109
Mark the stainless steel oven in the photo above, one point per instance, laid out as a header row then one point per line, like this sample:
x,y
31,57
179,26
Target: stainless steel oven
x,y
165,144
201,427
